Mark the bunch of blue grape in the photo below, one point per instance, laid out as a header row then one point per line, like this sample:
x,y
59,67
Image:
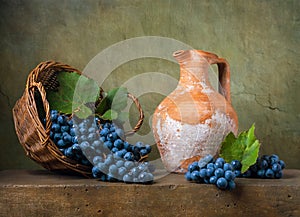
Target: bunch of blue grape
x,y
113,158
114,168
102,146
266,167
210,171
63,135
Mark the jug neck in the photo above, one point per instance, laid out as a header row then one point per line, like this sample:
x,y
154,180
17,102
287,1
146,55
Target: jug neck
x,y
193,67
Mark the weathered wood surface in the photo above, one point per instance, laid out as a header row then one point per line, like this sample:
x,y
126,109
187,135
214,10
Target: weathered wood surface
x,y
42,193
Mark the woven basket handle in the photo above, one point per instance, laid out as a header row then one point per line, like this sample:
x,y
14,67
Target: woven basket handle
x,y
46,106
141,115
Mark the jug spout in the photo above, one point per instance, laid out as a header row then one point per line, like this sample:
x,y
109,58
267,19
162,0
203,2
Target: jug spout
x,y
194,55
181,55
192,58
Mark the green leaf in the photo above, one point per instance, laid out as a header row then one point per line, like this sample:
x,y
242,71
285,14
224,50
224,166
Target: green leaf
x,y
119,101
123,116
110,115
74,92
82,111
244,148
115,99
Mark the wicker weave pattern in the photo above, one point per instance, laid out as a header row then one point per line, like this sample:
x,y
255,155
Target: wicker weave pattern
x,y
33,136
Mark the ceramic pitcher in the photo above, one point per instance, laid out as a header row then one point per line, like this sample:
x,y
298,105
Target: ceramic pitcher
x,y
195,118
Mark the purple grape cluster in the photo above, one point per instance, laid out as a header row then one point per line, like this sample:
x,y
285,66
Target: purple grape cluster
x,y
101,146
222,174
266,167
210,171
64,137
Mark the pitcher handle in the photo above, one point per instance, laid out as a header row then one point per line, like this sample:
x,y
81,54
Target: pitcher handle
x,y
224,78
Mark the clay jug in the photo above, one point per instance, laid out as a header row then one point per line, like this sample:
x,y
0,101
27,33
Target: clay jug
x,y
195,118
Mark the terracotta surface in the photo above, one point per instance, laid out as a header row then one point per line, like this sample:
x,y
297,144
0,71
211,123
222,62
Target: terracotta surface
x,y
194,119
41,193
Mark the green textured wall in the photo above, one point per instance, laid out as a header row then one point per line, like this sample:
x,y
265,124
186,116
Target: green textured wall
x,y
260,39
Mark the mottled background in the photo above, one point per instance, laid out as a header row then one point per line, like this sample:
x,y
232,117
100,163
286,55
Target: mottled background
x,y
259,38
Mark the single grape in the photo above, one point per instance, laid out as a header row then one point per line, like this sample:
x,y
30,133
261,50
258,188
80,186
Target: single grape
x,y
236,165
61,119
253,168
103,167
113,170
231,185
218,165
129,164
53,117
276,167
127,146
127,178
282,164
247,174
118,144
143,152
220,160
211,165
67,138
274,159
195,175
68,152
55,128
279,174
269,173
222,183
61,143
193,166
187,176
202,173
261,173
229,175
135,171
96,172
92,137
97,144
219,172
72,131
213,180
97,159
129,156
227,166
122,171
74,139
210,172
104,132
108,144
114,150
56,137
120,163
64,128
109,160
148,148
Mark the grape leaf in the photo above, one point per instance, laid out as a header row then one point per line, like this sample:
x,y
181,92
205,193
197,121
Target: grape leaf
x,y
82,111
74,92
244,148
110,115
115,99
123,116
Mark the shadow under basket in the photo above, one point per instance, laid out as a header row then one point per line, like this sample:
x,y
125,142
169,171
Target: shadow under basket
x,y
33,135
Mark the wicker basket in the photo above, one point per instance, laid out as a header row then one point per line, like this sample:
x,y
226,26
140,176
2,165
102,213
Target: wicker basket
x,y
33,136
